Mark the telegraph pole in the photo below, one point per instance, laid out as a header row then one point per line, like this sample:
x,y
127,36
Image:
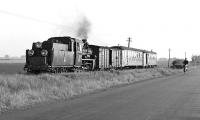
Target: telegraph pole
x,y
169,58
129,40
185,55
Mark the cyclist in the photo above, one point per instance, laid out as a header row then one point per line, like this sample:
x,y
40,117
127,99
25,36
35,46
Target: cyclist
x,y
185,65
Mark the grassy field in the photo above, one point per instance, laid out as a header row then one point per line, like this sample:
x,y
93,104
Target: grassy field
x,y
19,90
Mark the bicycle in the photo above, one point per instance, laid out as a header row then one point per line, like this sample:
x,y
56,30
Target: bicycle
x,y
185,68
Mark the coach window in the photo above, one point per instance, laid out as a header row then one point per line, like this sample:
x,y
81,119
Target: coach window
x,y
78,47
70,46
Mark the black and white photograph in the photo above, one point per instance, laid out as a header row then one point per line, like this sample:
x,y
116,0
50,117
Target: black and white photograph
x,y
100,60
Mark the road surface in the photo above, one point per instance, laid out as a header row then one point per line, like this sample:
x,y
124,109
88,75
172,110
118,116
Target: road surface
x,y
172,98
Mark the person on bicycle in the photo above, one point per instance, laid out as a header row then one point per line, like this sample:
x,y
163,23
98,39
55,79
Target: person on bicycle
x,y
185,64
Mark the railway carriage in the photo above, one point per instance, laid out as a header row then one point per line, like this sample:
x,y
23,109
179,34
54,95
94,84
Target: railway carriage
x,y
126,57
134,57
116,57
151,58
102,56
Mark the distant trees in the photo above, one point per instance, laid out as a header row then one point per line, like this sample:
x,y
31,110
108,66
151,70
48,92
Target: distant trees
x,y
196,59
178,63
6,56
23,57
13,57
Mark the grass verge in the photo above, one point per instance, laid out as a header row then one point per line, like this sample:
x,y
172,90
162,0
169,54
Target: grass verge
x,y
21,90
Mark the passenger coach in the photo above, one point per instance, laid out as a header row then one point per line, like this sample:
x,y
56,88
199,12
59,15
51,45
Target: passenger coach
x,y
131,57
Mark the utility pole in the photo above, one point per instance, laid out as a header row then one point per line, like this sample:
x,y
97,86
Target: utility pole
x,y
185,55
129,40
169,58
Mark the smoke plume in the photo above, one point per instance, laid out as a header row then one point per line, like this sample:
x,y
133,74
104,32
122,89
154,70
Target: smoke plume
x,y
83,28
78,26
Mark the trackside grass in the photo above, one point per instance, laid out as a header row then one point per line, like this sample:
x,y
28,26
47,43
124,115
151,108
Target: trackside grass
x,y
20,90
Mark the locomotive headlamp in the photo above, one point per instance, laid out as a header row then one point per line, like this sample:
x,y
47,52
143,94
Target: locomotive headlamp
x,y
30,52
44,52
38,44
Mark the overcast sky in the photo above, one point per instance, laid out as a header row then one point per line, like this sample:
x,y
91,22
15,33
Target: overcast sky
x,y
152,24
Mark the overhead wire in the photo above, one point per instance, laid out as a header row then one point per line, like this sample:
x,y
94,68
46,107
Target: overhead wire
x,y
28,18
41,21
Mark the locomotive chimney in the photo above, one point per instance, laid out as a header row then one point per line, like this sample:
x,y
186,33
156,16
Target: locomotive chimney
x,y
84,41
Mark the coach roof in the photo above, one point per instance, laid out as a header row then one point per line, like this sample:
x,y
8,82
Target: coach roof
x,y
135,49
98,46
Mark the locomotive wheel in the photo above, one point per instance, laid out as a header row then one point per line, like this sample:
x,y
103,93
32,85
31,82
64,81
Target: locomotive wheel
x,y
36,71
78,70
88,67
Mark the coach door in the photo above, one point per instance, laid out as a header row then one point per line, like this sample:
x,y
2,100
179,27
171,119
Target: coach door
x,y
78,53
144,59
147,59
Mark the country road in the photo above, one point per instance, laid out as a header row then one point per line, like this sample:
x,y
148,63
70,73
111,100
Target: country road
x,y
173,98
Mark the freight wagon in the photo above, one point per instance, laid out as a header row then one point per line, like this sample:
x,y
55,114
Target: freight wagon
x,y
102,55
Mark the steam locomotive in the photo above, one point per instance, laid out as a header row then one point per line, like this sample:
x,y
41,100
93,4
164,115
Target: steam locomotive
x,y
64,54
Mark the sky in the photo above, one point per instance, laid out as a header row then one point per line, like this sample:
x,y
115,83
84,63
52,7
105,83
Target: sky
x,y
152,24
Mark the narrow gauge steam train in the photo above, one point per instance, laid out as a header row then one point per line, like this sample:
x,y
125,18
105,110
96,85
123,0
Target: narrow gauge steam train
x,y
63,54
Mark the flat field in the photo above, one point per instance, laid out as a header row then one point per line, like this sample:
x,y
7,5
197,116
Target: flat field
x,y
163,63
16,66
11,66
